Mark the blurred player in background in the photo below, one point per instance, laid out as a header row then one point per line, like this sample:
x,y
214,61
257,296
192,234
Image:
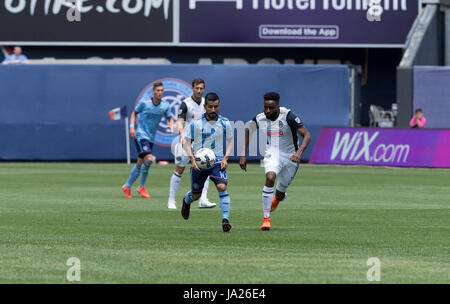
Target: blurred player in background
x,y
208,132
282,154
190,108
148,112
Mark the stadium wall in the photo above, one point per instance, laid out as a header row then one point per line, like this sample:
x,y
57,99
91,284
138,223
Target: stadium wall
x,y
431,92
60,112
378,82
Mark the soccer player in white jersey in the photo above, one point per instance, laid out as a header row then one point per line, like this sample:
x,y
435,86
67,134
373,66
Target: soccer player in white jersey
x,y
282,155
209,131
190,108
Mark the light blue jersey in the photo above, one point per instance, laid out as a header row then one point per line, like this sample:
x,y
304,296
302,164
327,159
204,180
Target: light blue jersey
x,y
14,57
149,116
205,134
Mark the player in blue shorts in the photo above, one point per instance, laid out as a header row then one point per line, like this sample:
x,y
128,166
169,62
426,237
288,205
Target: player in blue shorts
x,y
148,112
208,132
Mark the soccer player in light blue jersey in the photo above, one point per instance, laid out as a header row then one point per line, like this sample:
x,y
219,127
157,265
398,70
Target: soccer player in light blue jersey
x,y
208,131
148,112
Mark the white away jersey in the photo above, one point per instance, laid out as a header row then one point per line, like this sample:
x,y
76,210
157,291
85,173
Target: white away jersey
x,y
190,109
281,133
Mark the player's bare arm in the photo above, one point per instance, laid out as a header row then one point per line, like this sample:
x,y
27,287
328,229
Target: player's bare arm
x,y
224,163
180,127
248,133
188,148
132,125
304,133
170,126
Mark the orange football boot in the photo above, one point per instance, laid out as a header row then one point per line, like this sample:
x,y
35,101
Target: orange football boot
x,y
266,224
143,192
275,203
127,191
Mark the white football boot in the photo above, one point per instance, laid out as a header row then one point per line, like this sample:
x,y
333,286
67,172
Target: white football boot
x,y
172,205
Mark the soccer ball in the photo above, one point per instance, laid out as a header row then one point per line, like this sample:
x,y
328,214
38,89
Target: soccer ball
x,y
205,158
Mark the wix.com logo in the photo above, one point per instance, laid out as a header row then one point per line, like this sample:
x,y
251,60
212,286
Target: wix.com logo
x,y
358,147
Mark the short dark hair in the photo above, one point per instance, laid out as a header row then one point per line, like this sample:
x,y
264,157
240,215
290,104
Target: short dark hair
x,y
197,81
211,97
272,96
157,84
419,110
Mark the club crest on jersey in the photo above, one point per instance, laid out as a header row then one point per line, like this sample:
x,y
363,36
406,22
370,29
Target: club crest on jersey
x,y
175,91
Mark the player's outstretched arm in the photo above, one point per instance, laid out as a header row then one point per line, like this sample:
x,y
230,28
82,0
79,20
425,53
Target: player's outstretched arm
x,y
304,133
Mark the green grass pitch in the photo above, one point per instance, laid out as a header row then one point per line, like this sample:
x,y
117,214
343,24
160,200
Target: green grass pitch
x,y
333,221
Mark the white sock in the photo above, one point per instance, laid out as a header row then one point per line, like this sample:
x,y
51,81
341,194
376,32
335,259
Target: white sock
x,y
205,190
267,196
174,184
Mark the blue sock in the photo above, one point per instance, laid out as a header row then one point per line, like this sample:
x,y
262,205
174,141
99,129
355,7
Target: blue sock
x,y
225,204
133,175
144,173
188,198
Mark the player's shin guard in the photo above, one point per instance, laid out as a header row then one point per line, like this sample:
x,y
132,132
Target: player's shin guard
x,y
267,195
225,204
144,173
174,184
188,198
135,172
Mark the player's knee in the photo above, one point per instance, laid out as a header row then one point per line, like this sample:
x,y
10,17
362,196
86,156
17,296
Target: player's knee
x,y
221,187
196,196
140,161
148,158
179,170
270,179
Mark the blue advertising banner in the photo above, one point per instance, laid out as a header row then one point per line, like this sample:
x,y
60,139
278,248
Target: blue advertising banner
x,y
314,22
61,112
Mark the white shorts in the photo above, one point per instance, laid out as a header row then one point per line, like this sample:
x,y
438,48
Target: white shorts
x,y
284,168
181,157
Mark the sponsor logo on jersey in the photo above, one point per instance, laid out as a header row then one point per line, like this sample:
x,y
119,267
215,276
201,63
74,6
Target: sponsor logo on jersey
x,y
275,133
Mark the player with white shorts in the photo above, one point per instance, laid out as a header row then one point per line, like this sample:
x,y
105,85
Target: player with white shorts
x,y
282,154
190,108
